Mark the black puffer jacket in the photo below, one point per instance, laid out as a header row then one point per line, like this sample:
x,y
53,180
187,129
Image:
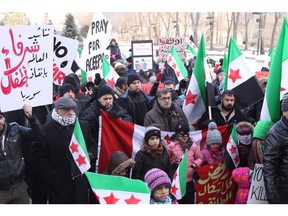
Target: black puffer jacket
x,y
11,156
275,163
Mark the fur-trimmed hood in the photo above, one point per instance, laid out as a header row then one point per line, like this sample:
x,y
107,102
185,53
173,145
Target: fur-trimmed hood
x,y
244,123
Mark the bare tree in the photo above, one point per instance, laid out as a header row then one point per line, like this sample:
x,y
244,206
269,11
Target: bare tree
x,y
195,18
229,24
247,19
235,20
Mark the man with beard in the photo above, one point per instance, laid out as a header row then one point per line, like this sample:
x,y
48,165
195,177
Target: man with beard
x,y
224,114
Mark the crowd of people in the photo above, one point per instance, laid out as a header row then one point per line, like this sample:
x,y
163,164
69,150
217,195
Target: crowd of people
x,y
34,166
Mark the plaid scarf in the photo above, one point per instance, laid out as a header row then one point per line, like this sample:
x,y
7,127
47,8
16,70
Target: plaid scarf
x,y
64,121
155,152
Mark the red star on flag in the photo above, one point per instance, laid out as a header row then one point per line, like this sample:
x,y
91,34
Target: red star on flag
x,y
174,65
90,79
174,189
73,147
177,73
132,200
167,138
190,98
236,159
81,160
234,75
111,199
233,150
111,82
282,89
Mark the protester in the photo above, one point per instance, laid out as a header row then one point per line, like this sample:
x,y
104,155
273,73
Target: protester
x,y
226,113
135,101
115,52
275,158
257,149
13,188
176,150
165,113
214,151
120,164
49,157
152,154
120,87
160,186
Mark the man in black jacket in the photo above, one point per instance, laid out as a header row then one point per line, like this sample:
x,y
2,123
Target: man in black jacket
x,y
13,188
275,159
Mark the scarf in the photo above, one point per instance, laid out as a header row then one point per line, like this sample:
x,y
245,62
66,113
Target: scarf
x,y
155,152
185,145
64,121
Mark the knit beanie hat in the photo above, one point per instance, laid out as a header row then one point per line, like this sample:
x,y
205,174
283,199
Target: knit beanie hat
x,y
213,135
182,127
151,131
64,88
132,77
105,89
284,104
156,177
65,103
262,128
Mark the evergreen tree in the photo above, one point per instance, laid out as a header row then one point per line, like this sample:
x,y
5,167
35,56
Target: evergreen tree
x,y
70,29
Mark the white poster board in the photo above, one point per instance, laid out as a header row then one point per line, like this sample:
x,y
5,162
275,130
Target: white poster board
x,y
65,50
257,192
26,61
95,44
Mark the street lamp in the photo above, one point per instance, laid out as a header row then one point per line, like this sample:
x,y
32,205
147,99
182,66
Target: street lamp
x,y
211,23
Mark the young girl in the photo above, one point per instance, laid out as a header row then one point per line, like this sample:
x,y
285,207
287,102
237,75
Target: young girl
x,y
214,151
153,154
160,186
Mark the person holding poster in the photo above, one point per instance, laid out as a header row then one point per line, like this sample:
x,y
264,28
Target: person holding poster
x,y
115,52
13,188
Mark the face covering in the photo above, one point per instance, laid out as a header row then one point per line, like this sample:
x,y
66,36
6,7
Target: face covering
x,y
245,140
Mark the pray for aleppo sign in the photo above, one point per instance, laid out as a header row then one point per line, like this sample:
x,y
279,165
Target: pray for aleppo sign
x,y
95,45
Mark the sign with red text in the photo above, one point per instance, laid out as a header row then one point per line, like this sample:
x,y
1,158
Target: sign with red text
x,y
65,51
165,44
26,61
94,46
215,185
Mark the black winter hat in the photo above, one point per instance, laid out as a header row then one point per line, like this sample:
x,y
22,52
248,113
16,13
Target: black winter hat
x,y
132,77
64,88
151,131
182,127
105,89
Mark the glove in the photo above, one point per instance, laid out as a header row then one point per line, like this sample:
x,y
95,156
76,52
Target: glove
x,y
97,79
159,77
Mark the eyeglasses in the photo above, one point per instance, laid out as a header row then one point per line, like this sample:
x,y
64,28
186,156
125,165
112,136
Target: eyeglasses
x,y
165,98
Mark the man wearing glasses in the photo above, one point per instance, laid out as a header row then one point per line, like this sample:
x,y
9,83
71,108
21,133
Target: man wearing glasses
x,y
165,113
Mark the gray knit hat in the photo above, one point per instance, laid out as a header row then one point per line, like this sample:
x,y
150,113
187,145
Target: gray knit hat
x,y
213,135
284,104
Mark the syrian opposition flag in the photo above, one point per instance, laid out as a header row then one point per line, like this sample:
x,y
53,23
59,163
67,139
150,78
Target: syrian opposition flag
x,y
175,62
192,47
116,134
110,189
277,83
240,78
80,161
109,74
179,180
232,149
195,101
